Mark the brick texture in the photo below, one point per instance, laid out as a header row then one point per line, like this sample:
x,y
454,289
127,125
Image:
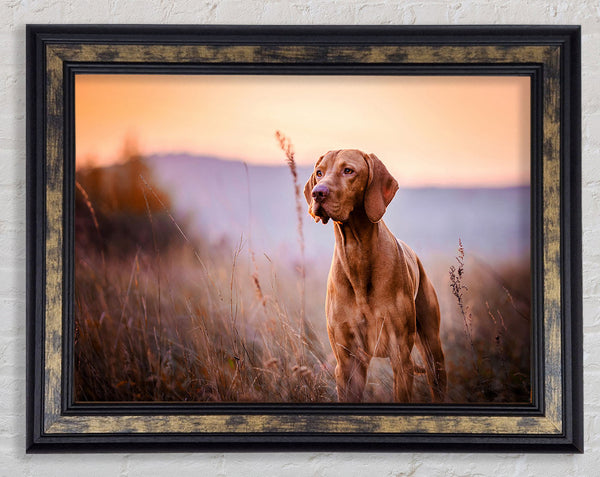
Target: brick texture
x,y
14,14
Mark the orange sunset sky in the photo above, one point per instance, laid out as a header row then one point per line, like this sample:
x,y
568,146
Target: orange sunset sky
x,y
428,130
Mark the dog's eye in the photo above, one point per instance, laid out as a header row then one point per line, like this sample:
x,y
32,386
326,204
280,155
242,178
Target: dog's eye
x,y
318,173
347,170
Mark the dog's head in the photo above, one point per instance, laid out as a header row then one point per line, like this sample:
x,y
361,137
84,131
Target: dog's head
x,y
346,180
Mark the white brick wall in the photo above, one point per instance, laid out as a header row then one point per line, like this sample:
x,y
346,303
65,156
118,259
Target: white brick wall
x,y
14,14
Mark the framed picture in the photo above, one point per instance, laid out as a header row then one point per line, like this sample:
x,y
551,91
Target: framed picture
x,y
293,238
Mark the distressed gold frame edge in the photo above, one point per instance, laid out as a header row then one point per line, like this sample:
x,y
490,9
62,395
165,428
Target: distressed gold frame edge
x,y
551,423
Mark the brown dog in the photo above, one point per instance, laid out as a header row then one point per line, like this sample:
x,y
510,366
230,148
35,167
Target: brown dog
x,y
379,299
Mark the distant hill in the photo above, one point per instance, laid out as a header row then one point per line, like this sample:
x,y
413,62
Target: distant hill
x,y
226,200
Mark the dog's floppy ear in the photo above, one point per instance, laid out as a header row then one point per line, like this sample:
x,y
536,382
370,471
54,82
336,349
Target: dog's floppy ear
x,y
308,187
381,188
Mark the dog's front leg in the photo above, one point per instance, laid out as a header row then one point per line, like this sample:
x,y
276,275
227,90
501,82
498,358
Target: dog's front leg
x,y
403,368
350,377
401,344
347,343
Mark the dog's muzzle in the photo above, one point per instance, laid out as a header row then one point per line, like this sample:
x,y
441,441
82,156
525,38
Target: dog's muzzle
x,y
319,194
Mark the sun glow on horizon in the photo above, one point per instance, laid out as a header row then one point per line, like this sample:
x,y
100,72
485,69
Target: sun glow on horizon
x,y
428,130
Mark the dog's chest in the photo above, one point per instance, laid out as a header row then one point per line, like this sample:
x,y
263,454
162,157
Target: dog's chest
x,y
354,269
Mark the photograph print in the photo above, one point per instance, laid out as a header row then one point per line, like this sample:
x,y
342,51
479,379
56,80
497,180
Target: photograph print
x,y
302,239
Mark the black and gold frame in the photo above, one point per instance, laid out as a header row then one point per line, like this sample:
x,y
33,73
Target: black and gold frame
x,y
550,56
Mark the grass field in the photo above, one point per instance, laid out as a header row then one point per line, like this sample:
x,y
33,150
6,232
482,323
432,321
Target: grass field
x,y
163,316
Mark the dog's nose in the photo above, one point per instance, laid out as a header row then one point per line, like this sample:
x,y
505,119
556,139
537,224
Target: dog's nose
x,y
320,192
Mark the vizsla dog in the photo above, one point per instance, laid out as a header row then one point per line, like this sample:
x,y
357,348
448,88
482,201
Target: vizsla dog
x,y
379,299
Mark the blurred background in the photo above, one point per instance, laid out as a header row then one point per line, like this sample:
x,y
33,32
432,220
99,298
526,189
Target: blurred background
x,y
197,279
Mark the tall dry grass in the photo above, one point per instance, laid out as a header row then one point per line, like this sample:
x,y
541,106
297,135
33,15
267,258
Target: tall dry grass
x,y
183,320
164,316
490,360
150,330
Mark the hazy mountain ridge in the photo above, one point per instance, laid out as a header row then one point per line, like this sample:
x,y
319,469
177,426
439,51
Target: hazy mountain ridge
x,y
229,199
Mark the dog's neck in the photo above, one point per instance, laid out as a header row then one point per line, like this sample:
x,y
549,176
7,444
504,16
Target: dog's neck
x,y
358,232
355,240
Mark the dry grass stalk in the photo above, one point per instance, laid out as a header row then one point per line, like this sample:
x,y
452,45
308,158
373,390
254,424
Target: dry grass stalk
x,y
89,205
499,337
288,148
255,275
458,287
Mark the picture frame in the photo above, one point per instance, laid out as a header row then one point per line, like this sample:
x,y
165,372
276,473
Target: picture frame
x,y
548,55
